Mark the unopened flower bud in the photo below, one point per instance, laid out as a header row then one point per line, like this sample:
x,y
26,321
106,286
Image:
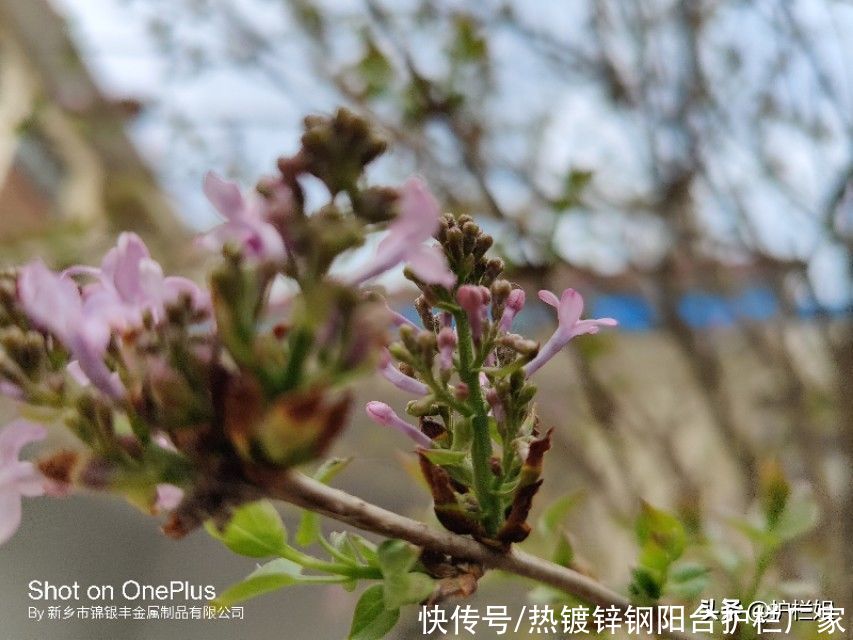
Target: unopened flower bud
x,y
446,344
474,299
425,406
424,309
494,268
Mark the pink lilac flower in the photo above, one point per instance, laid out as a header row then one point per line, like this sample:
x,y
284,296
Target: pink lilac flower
x,y
18,478
514,304
569,308
245,223
385,416
474,299
138,279
399,379
53,303
130,283
415,223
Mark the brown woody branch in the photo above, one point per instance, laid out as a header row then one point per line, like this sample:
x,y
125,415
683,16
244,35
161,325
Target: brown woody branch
x,y
310,494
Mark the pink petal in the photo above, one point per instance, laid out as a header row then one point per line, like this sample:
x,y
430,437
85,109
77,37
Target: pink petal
x,y
28,480
570,309
10,513
224,195
122,265
49,300
15,436
175,286
90,357
430,265
549,298
592,326
400,380
418,211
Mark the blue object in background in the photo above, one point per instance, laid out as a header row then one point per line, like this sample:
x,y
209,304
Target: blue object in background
x,y
703,310
755,303
632,311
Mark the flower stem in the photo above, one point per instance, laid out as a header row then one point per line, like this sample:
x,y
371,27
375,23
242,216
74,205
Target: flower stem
x,y
481,445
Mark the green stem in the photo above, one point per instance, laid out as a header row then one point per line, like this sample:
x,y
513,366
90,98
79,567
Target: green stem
x,y
310,562
481,445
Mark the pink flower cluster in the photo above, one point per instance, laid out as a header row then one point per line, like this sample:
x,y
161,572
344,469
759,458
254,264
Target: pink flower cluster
x,y
127,285
474,300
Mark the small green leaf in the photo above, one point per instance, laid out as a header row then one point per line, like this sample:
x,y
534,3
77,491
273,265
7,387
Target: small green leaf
x,y
556,512
374,69
774,491
396,560
469,45
687,571
255,530
575,181
661,529
799,517
270,577
645,585
371,619
564,553
689,589
407,588
396,557
366,549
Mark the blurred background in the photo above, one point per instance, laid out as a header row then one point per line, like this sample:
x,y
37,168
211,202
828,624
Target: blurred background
x,y
686,164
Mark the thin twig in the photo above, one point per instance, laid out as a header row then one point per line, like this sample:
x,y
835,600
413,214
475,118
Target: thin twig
x,y
310,494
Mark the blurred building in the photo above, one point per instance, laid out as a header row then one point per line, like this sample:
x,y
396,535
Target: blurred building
x,y
69,173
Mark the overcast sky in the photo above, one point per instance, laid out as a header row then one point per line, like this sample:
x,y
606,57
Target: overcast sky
x,y
227,111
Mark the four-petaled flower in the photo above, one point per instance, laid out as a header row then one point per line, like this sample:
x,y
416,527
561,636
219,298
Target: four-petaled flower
x,y
569,308
415,223
245,226
18,478
54,303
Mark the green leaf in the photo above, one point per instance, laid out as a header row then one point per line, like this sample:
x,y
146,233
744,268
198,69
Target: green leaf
x,y
469,45
407,588
799,517
365,548
372,619
396,560
574,183
272,576
754,533
687,571
687,580
374,69
255,530
556,512
645,585
564,553
689,589
662,529
396,557
309,530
